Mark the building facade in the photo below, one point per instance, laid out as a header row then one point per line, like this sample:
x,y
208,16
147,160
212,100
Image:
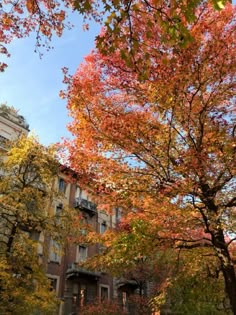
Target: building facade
x,y
12,125
74,285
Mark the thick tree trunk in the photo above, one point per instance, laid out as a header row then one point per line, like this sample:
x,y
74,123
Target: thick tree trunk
x,y
227,267
11,238
230,285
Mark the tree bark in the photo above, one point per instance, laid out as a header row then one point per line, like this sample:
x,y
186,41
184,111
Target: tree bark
x,y
230,285
227,267
11,238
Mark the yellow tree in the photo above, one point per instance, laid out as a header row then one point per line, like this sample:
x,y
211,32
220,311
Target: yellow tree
x,y
26,193
159,138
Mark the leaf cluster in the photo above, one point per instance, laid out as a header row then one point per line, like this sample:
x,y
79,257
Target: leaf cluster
x,y
47,17
27,193
162,146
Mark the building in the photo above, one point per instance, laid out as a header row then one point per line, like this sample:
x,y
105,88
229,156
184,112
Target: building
x,y
12,125
75,286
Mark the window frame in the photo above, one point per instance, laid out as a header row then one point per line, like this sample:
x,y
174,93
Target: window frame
x,y
62,185
103,224
57,278
107,287
55,252
78,257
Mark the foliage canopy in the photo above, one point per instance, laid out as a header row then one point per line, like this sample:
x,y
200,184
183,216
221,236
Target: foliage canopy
x,y
28,172
47,17
155,135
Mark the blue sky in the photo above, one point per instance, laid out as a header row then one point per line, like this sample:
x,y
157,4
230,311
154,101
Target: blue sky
x,y
32,85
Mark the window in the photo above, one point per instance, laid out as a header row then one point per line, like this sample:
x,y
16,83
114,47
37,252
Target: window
x,y
59,209
82,295
118,215
103,227
55,252
81,253
2,138
54,282
124,301
77,192
40,243
61,185
104,293
58,212
84,225
3,142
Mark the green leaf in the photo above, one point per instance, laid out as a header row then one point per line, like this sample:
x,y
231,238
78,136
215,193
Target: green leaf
x,y
219,4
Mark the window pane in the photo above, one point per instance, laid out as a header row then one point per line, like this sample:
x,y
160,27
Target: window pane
x,y
55,251
82,296
53,284
118,215
61,185
81,253
104,293
103,227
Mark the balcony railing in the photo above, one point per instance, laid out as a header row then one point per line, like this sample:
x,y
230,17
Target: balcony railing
x,y
85,205
74,270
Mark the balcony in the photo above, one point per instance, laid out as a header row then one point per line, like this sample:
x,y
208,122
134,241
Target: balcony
x,y
4,143
127,283
74,270
85,205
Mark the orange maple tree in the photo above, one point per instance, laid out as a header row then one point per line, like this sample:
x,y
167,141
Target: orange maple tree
x,y
162,145
46,17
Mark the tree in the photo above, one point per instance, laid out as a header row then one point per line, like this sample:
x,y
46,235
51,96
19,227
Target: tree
x,y
20,18
185,294
162,144
26,194
102,308
46,17
167,278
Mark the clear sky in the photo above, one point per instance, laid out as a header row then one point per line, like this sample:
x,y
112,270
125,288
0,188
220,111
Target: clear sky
x,y
32,85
